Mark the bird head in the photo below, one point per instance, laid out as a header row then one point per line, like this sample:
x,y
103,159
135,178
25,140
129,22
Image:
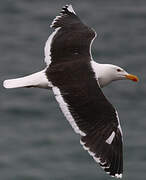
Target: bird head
x,y
120,74
109,73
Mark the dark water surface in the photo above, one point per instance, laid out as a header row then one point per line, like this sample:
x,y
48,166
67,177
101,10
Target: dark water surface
x,y
36,142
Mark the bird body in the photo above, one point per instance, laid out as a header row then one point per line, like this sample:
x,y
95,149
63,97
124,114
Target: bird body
x,y
105,74
76,81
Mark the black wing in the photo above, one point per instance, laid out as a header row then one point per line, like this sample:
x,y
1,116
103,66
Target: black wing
x,y
89,112
71,39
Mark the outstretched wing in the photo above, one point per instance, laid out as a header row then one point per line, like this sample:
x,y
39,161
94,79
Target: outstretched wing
x,y
71,39
89,113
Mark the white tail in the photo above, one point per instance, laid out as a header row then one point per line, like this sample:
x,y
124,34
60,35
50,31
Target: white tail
x,y
38,79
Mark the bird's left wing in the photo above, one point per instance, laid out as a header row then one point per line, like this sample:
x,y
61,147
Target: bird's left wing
x,y
71,39
89,113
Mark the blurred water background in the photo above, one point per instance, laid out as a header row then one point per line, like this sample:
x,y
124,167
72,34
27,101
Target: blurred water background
x,y
36,141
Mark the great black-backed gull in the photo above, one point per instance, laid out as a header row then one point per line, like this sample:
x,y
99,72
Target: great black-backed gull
x,y
76,81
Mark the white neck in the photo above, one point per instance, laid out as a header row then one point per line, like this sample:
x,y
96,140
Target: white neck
x,y
102,75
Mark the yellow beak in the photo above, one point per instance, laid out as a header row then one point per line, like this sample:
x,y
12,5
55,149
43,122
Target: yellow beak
x,y
132,77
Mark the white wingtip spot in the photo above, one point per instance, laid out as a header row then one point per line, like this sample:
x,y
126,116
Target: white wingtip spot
x,y
70,8
111,137
118,175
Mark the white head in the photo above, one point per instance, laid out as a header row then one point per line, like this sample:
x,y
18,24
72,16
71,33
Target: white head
x,y
107,73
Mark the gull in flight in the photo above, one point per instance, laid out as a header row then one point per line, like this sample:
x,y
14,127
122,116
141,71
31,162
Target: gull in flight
x,y
76,81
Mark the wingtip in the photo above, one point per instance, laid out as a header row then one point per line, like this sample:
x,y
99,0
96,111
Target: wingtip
x,y
69,8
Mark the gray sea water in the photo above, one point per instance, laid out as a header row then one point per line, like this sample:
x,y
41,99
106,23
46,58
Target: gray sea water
x,y
36,141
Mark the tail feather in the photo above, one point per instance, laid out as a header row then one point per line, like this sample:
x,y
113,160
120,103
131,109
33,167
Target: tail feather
x,y
38,79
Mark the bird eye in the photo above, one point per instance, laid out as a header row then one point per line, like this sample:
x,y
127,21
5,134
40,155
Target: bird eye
x,y
119,70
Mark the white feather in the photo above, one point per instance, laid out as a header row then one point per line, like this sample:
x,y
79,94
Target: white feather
x,y
70,8
110,138
118,175
64,107
47,49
